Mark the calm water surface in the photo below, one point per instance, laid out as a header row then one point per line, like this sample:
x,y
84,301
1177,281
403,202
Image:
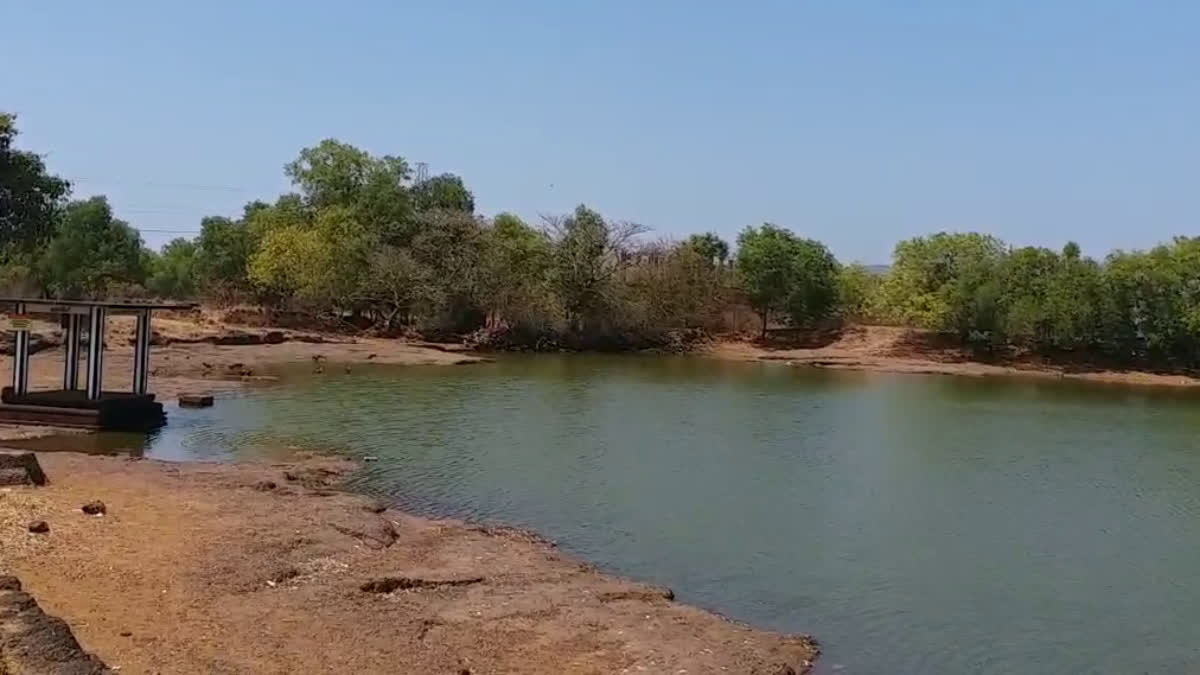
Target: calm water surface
x,y
913,524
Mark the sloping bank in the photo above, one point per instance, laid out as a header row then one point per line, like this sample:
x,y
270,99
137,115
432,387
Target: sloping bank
x,y
256,568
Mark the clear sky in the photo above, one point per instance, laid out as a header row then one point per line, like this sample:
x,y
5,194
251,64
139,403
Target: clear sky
x,y
851,121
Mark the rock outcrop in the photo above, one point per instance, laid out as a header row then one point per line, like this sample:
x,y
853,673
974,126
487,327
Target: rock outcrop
x,y
19,467
33,642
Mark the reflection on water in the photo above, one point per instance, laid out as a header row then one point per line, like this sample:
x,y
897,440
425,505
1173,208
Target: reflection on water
x,y
913,524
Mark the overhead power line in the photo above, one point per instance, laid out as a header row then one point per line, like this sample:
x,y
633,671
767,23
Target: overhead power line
x,y
157,184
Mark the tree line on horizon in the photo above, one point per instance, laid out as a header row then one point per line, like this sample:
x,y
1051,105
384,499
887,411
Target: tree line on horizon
x,y
359,242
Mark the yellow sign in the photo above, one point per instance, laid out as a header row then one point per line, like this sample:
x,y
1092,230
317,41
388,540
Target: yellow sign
x,y
19,322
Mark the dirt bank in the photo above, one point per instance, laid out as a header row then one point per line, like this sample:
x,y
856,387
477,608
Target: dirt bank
x,y
190,355
256,568
901,350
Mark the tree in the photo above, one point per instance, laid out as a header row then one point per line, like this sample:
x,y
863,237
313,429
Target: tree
x,y
517,260
333,173
398,285
782,273
941,281
587,254
858,288
814,295
1026,277
674,287
279,267
90,251
1075,301
323,264
30,198
172,272
222,254
447,192
451,245
709,247
1150,303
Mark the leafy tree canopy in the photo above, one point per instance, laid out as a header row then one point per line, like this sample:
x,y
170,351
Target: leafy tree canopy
x,y
91,250
30,198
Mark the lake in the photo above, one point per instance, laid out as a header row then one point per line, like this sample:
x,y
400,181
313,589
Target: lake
x,y
913,524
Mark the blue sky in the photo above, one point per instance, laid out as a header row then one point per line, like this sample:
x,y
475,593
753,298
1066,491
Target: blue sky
x,y
854,122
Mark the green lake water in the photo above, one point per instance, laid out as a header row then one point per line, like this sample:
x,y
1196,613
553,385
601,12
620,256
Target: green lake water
x,y
913,524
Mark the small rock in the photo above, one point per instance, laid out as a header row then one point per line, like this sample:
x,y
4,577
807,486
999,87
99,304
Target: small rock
x,y
195,400
283,575
265,485
375,506
371,458
39,527
374,532
94,508
126,633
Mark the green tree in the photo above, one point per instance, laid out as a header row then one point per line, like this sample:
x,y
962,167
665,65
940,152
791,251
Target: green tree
x,y
172,272
1151,303
1075,302
709,247
333,173
858,288
815,293
323,264
280,266
588,253
447,192
30,198
785,274
943,282
90,251
222,255
517,261
1027,278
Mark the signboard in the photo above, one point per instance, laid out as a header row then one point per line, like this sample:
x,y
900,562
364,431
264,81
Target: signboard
x,y
19,322
50,308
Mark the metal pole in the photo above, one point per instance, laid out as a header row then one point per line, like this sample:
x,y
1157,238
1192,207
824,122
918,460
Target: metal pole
x,y
21,357
95,363
74,340
141,353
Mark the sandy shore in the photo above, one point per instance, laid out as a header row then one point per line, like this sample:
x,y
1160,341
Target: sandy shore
x,y
899,350
267,568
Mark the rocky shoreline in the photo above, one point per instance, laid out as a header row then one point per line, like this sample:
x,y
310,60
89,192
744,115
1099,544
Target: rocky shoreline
x,y
271,568
35,643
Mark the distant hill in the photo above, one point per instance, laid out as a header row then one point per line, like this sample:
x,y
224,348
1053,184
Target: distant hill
x,y
878,270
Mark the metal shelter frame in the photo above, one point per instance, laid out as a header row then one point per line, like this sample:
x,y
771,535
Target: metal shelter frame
x,y
95,314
